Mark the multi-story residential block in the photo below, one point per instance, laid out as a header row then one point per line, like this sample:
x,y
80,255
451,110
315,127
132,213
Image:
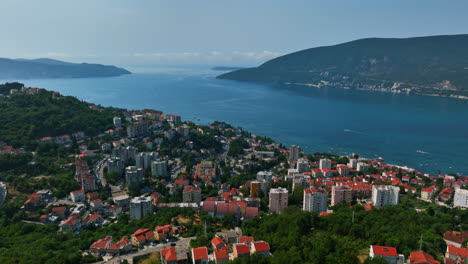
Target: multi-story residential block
x,y
278,200
343,170
352,163
191,194
315,200
383,195
265,175
183,130
294,152
133,174
461,198
258,186
174,119
302,165
77,196
361,166
139,206
341,194
140,129
143,159
88,182
159,168
117,121
325,163
115,164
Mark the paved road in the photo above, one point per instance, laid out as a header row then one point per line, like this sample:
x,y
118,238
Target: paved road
x,y
182,242
32,222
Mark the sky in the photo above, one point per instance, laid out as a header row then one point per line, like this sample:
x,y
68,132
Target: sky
x,y
214,32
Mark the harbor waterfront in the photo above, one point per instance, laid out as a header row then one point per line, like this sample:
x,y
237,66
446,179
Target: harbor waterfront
x,y
425,133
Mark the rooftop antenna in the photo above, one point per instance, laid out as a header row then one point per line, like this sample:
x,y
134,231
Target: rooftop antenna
x,y
420,243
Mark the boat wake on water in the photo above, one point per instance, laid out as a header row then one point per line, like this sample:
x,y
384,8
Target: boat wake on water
x,y
422,152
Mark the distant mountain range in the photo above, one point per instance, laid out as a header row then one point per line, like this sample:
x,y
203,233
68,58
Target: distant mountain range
x,y
49,68
435,65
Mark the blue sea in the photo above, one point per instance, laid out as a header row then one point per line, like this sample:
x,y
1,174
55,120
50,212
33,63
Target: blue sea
x,y
426,133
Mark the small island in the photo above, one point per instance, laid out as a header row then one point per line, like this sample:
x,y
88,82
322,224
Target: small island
x,y
52,69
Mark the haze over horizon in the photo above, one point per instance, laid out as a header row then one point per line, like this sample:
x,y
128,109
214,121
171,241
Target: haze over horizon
x,y
230,32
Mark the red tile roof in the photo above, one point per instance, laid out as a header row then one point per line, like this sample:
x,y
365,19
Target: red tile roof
x,y
200,253
385,251
261,246
220,254
242,249
462,252
457,237
217,241
59,209
101,243
421,257
245,239
169,254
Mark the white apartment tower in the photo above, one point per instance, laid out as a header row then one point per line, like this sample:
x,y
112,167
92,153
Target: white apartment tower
x,y
461,198
139,206
278,200
117,121
302,165
159,168
315,200
383,195
325,163
294,153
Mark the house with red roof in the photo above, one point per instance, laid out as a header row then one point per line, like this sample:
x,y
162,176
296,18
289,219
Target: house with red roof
x,y
31,203
251,212
163,232
455,238
92,195
220,256
217,243
142,236
60,212
101,245
427,193
327,173
245,240
171,255
125,245
200,255
223,209
421,257
458,254
317,173
93,219
77,196
71,224
388,253
261,247
113,210
240,250
209,207
96,204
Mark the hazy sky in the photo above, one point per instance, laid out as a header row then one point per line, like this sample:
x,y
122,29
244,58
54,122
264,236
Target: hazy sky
x,y
218,32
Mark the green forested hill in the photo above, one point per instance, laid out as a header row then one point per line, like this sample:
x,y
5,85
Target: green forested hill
x,y
48,68
25,118
436,64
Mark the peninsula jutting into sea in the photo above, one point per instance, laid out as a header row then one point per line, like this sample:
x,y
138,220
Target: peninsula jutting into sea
x,y
143,184
433,65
